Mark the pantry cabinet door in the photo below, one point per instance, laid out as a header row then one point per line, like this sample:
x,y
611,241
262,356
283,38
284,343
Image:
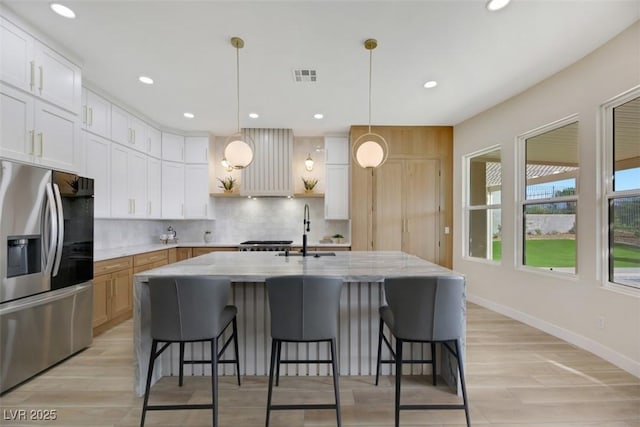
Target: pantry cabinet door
x,y
56,137
196,191
16,56
154,188
120,201
58,80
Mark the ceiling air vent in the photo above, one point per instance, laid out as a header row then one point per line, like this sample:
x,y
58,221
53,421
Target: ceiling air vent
x,y
305,75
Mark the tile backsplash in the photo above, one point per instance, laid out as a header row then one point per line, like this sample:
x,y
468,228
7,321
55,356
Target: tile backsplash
x,y
236,220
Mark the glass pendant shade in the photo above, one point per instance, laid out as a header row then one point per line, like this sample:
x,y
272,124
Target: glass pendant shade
x,y
370,150
238,151
308,163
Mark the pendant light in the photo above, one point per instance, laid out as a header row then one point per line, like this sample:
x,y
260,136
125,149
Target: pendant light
x,y
370,150
238,150
308,163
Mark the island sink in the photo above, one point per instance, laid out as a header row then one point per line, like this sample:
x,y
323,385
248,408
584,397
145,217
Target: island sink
x,y
309,254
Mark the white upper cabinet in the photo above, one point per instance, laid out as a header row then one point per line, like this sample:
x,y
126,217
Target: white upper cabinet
x,y
172,147
154,138
16,124
336,150
154,188
96,113
37,132
128,130
30,65
196,149
172,190
57,79
97,165
16,56
336,193
128,183
57,137
196,191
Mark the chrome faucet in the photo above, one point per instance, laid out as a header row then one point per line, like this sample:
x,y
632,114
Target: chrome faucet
x,y
305,229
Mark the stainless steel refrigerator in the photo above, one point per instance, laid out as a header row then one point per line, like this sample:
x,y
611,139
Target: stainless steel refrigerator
x,y
46,269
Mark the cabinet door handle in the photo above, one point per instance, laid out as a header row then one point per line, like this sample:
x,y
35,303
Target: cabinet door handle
x,y
41,137
134,205
32,137
90,116
134,135
32,80
84,114
41,79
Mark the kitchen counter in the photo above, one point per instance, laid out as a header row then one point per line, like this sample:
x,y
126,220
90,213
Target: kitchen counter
x,y
363,274
102,254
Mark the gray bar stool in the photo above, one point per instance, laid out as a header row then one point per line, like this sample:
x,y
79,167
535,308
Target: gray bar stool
x,y
303,309
190,309
427,309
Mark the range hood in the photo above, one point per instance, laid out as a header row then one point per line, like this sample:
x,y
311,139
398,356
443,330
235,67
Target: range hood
x,y
270,173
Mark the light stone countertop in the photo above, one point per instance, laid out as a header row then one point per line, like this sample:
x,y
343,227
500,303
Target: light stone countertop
x,y
359,266
102,254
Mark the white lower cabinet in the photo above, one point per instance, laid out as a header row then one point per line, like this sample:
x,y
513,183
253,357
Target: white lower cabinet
x,y
196,191
128,183
336,193
173,190
37,132
154,188
97,165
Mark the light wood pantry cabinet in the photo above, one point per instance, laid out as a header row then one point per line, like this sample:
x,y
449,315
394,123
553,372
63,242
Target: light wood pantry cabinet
x,y
406,207
406,204
33,67
112,293
96,114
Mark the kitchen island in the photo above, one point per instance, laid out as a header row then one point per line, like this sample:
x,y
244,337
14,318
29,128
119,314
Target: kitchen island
x,y
363,274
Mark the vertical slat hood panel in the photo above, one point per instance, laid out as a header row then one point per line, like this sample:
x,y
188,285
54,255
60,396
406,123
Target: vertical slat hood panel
x,y
270,174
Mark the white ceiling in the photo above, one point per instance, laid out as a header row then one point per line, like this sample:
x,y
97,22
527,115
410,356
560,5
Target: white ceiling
x,y
479,58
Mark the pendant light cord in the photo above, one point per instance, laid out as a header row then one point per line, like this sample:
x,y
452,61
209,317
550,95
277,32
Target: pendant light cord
x,y
238,84
370,66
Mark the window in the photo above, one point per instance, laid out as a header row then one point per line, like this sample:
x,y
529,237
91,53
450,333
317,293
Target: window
x,y
549,197
622,182
483,213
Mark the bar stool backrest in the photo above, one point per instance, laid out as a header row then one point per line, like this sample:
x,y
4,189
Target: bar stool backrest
x,y
426,308
187,308
304,308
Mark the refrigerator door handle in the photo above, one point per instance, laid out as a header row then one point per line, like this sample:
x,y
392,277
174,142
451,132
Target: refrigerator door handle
x,y
60,238
51,232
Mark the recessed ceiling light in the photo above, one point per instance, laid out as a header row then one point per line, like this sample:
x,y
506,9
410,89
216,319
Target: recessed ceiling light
x,y
254,115
318,116
430,84
146,80
494,5
63,10
189,115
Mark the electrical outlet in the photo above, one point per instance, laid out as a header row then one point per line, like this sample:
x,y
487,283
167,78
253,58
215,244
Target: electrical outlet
x,y
601,322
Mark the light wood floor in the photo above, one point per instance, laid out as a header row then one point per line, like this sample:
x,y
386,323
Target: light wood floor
x,y
517,376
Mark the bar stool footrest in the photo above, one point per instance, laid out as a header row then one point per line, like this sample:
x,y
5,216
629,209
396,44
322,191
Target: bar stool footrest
x,y
175,407
304,406
450,406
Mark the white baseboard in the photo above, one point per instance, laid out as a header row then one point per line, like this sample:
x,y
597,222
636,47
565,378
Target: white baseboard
x,y
621,361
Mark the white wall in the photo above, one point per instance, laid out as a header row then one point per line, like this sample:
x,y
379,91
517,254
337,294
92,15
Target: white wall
x,y
568,308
